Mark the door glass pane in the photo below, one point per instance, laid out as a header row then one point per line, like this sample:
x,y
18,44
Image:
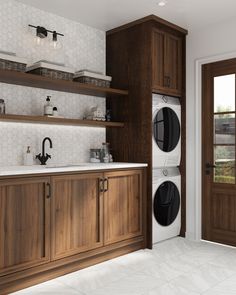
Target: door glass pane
x,y
224,129
224,93
225,162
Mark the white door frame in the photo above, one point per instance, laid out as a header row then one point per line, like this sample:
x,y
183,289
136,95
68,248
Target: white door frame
x,y
198,136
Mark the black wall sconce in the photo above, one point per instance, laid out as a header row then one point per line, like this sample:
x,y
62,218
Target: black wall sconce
x,y
42,33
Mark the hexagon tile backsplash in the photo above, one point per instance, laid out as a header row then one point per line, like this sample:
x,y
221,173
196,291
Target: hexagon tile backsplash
x,y
83,48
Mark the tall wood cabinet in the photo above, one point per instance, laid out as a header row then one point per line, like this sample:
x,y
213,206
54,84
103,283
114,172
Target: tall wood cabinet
x,y
24,224
146,56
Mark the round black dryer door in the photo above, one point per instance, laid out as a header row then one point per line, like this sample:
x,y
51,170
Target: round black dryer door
x,y
166,129
166,203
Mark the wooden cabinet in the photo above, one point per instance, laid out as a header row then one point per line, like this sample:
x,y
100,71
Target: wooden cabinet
x,y
77,214
167,63
122,206
24,224
52,225
81,204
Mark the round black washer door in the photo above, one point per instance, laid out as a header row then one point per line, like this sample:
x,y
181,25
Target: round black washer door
x,y
166,203
166,129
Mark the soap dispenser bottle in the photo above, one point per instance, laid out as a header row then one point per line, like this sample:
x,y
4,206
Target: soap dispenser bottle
x,y
48,108
28,157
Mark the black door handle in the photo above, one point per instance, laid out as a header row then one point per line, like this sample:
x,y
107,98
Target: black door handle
x,y
210,166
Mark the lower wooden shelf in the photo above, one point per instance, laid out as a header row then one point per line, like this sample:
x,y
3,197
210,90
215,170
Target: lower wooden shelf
x,y
58,121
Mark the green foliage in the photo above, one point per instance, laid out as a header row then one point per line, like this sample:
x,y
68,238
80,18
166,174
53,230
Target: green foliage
x,y
224,179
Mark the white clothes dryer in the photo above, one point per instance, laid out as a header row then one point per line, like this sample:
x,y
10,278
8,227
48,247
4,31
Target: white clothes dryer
x,y
166,139
166,204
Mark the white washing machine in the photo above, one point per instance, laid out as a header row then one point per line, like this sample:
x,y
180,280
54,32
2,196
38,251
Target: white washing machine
x,y
166,204
166,139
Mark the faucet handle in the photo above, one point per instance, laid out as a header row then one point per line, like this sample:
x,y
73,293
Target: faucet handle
x,y
48,156
38,156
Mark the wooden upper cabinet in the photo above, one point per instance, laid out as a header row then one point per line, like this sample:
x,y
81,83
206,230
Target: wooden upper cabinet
x,y
77,217
122,205
24,224
167,63
158,54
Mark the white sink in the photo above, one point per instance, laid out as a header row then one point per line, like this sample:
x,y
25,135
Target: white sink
x,y
64,166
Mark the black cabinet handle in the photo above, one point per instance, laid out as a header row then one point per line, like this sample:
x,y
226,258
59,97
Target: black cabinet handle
x,y
165,81
168,83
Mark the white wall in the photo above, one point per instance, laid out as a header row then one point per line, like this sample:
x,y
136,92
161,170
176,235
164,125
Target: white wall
x,y
83,48
212,43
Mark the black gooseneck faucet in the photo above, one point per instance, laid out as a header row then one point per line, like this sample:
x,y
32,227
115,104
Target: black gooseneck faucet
x,y
42,157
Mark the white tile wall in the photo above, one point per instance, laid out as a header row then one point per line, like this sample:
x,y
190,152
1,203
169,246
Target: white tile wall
x,y
82,47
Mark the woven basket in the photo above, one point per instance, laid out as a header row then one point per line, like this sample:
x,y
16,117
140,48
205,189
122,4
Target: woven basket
x,y
93,81
12,65
53,74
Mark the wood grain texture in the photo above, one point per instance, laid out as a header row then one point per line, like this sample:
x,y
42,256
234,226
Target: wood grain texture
x,y
146,19
218,199
77,214
24,224
158,59
131,61
123,206
173,64
57,121
167,63
40,274
36,81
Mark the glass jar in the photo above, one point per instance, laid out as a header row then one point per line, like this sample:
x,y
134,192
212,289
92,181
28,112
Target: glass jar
x,y
105,152
2,107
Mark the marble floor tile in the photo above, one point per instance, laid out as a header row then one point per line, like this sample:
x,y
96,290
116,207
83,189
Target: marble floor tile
x,y
170,289
203,278
95,277
227,286
174,267
137,260
52,287
170,268
136,284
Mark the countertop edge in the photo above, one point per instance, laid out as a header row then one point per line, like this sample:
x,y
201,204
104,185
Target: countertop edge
x,y
72,169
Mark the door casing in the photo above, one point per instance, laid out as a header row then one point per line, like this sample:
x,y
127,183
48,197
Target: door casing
x,y
196,233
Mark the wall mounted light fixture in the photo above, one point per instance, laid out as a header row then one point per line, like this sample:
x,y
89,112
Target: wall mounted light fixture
x,y
42,33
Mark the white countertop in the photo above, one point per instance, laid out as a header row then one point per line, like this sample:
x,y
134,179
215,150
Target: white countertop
x,y
60,168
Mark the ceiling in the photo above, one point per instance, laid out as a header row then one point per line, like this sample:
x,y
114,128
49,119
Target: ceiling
x,y
108,14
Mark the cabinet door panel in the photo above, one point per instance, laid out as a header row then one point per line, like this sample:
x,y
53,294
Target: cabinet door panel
x,y
123,206
24,224
173,63
76,214
158,54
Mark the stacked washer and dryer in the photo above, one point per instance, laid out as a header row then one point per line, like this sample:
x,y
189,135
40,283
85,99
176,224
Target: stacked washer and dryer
x,y
166,154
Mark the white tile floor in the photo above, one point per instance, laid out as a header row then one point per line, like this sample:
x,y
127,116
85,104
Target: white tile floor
x,y
173,267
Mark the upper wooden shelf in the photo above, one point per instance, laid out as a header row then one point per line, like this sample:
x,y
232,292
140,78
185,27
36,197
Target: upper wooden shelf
x,y
36,81
58,121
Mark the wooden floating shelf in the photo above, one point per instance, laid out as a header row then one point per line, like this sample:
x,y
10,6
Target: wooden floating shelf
x,y
36,81
58,121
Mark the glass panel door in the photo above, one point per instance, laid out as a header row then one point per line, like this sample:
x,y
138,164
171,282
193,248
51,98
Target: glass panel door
x,y
224,129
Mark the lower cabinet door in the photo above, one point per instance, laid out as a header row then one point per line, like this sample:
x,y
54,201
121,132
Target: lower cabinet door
x,y
77,217
122,205
24,224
